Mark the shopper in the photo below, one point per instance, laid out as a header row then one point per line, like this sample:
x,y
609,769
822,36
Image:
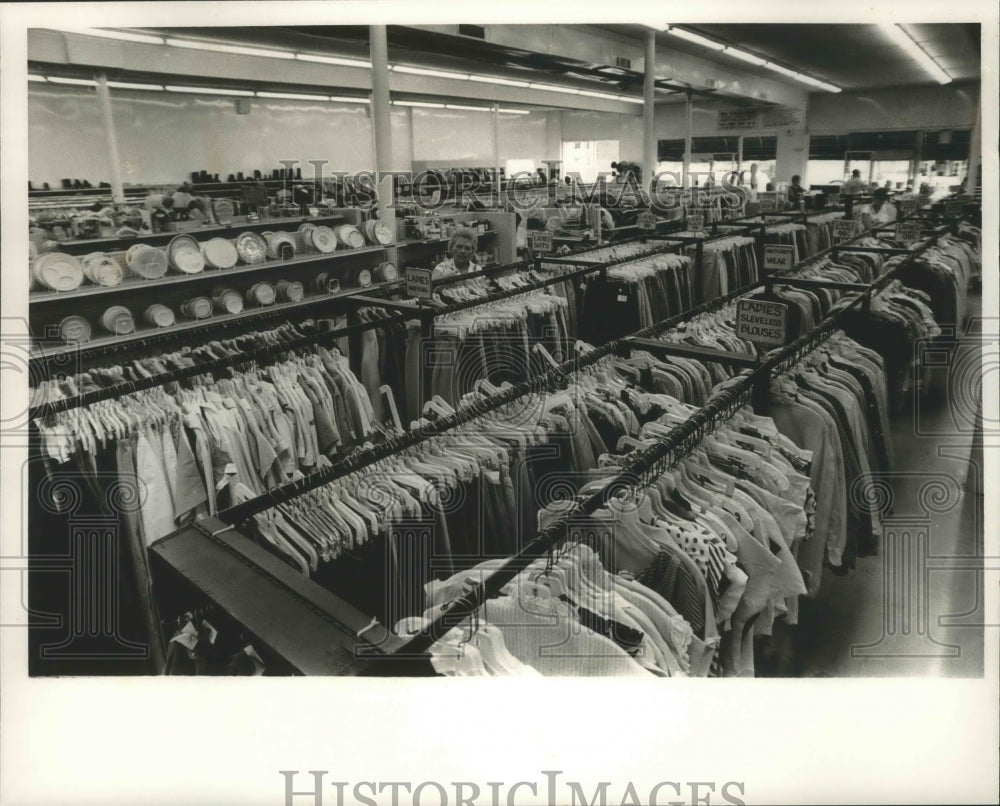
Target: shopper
x,y
461,251
854,185
880,211
795,192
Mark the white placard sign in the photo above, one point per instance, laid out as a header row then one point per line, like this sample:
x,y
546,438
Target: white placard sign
x,y
764,323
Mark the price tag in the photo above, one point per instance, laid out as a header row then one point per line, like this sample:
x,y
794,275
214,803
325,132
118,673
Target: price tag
x,y
768,205
778,257
647,221
845,230
541,242
908,232
418,283
953,209
908,206
695,222
764,323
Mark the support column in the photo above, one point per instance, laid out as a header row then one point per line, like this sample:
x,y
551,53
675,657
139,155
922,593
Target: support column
x,y
649,111
382,124
739,154
975,149
104,99
688,112
496,147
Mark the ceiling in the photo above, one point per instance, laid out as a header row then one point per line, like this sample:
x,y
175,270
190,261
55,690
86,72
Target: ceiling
x,y
853,57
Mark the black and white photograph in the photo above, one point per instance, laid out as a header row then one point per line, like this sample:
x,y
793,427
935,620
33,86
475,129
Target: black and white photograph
x,y
652,366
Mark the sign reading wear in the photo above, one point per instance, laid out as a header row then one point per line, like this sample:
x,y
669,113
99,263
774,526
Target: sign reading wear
x,y
845,230
418,283
695,222
541,242
908,206
764,323
908,231
646,221
778,257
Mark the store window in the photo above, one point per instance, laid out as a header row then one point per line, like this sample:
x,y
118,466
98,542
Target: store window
x,y
589,158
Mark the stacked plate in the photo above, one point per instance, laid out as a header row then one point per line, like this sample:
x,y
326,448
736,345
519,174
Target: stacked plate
x,y
303,237
363,278
57,271
102,269
251,247
378,233
261,294
386,272
159,315
185,255
290,290
227,300
219,253
350,235
223,210
118,320
323,239
75,328
146,261
197,308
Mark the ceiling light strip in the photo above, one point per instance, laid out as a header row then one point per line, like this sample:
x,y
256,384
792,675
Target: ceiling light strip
x,y
917,53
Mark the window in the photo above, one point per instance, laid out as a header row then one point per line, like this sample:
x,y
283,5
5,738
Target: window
x,y
589,158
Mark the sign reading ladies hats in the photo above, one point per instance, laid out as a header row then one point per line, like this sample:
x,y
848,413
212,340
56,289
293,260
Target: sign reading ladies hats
x,y
541,241
778,257
763,323
845,230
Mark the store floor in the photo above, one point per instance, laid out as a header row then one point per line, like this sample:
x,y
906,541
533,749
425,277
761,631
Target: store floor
x,y
916,608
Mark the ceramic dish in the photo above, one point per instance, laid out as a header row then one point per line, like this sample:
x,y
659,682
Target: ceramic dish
x,y
382,232
185,255
220,253
363,278
251,247
261,294
290,290
102,269
350,235
223,210
118,320
323,239
75,328
197,308
386,272
159,315
57,271
281,246
227,300
146,261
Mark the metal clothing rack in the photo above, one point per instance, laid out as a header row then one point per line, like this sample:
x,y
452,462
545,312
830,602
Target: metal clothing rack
x,y
650,464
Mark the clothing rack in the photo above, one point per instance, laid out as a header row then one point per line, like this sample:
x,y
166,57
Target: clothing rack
x,y
650,464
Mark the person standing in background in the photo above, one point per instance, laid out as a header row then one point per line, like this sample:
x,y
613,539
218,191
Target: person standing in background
x,y
461,251
795,192
880,211
854,185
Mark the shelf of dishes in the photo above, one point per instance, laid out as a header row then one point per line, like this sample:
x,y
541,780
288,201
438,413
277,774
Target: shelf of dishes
x,y
60,276
120,325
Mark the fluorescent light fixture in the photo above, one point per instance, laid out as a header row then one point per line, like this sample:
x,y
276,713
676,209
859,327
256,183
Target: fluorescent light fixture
x,y
83,82
829,87
696,38
220,47
507,82
553,88
347,99
656,26
292,96
128,85
341,61
785,71
209,91
592,94
631,99
425,104
426,71
33,77
515,111
742,55
917,53
125,36
469,108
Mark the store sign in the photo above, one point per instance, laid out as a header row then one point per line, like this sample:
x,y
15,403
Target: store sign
x,y
845,230
782,117
541,242
734,119
763,323
695,222
908,206
418,283
647,221
768,205
778,257
908,232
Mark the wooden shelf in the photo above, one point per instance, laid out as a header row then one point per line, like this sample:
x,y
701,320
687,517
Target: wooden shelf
x,y
436,241
209,275
163,238
180,327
